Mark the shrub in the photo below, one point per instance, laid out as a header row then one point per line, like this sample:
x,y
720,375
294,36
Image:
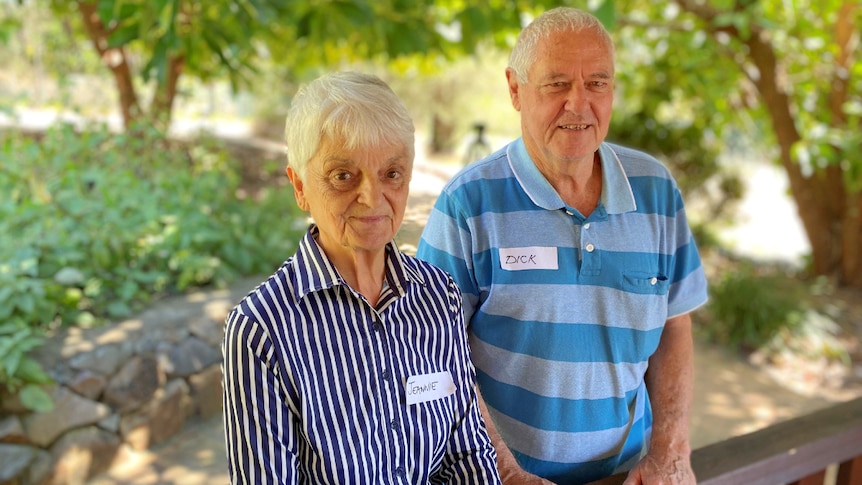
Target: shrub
x,y
95,224
749,308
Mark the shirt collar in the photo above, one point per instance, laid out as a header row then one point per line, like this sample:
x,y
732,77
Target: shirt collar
x,y
617,196
321,274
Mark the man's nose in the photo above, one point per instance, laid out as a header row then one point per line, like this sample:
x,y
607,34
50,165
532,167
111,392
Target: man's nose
x,y
576,97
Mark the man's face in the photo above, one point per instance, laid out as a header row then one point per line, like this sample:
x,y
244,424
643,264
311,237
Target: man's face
x,y
356,197
566,104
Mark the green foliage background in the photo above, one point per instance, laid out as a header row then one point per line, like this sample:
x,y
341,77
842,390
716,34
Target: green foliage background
x,y
96,224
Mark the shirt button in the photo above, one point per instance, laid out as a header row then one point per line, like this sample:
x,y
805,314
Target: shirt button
x,y
590,248
376,327
587,225
653,281
394,425
386,375
401,472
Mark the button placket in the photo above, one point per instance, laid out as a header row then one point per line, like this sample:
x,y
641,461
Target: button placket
x,y
590,257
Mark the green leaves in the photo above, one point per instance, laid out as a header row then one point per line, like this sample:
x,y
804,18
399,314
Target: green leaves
x,y
18,372
109,222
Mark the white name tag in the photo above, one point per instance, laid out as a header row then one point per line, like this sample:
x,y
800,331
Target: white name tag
x,y
429,387
533,257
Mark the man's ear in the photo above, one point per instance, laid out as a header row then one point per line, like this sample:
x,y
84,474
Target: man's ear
x,y
298,189
514,92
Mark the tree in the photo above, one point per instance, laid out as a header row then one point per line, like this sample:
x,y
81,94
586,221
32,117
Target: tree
x,y
158,41
791,71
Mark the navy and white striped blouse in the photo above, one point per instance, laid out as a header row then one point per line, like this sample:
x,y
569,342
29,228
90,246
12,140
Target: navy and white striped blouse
x,y
315,379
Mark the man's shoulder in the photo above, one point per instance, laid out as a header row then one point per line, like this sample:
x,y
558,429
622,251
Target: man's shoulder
x,y
494,166
638,162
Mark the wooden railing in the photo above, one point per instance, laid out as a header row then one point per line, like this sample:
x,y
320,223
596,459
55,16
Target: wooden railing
x,y
798,452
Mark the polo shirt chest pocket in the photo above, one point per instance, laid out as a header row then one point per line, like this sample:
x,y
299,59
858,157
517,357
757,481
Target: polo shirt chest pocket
x,y
645,283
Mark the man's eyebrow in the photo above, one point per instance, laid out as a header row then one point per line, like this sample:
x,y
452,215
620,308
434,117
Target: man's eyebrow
x,y
554,76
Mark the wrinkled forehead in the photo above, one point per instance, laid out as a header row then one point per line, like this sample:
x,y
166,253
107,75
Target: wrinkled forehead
x,y
359,151
565,50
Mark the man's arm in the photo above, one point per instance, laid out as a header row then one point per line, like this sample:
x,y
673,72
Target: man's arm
x,y
510,472
670,382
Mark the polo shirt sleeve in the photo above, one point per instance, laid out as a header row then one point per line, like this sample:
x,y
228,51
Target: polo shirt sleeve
x,y
688,286
259,430
446,242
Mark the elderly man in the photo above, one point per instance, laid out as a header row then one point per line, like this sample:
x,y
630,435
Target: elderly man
x,y
578,272
350,364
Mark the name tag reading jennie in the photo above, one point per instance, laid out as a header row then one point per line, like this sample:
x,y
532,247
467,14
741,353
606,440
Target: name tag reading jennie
x,y
429,387
533,257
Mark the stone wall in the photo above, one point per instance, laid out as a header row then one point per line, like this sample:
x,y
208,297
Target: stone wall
x,y
119,389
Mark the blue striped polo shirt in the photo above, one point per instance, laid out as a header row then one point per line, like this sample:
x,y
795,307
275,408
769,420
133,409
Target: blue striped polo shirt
x,y
564,311
320,387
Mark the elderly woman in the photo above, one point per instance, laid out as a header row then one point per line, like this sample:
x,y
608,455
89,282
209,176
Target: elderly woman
x,y
350,364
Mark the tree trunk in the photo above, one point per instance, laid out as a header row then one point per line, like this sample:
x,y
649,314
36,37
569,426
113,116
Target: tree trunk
x,y
115,59
830,214
166,93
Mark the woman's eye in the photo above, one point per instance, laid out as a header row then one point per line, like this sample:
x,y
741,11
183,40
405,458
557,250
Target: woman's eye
x,y
342,176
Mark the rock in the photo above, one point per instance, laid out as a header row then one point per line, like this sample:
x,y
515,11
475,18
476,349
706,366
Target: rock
x,y
134,384
168,414
70,411
163,418
207,329
82,454
104,359
206,391
12,431
189,357
88,384
15,459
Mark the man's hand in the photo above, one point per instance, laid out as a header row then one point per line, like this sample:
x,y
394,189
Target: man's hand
x,y
670,383
675,470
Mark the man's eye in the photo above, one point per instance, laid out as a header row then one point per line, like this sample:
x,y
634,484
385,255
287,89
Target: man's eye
x,y
556,87
599,85
393,174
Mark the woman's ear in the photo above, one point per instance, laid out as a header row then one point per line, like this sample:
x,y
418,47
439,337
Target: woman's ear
x,y
298,191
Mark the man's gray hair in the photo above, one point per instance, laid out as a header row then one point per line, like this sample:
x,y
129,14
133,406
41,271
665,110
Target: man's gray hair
x,y
351,107
560,19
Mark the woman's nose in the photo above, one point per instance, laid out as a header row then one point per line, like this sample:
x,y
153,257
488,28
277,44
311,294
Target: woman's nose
x,y
370,191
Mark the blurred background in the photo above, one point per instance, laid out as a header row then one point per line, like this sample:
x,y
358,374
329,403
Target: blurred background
x,y
140,153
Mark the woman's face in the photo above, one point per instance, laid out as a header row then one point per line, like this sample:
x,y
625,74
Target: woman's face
x,y
357,197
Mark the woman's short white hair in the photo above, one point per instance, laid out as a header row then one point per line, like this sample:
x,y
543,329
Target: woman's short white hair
x,y
359,110
560,19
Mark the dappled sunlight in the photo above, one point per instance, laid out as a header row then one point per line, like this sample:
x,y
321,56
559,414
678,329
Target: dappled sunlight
x,y
195,456
733,397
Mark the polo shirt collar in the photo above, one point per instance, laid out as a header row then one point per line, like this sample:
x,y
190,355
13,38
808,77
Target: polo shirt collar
x,y
617,196
320,273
